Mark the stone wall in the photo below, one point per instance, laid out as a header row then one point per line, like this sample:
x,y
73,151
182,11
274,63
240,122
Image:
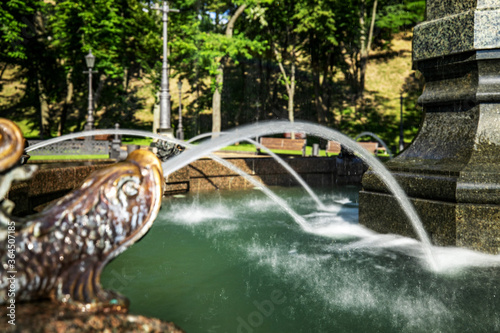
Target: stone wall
x,y
54,181
208,175
50,182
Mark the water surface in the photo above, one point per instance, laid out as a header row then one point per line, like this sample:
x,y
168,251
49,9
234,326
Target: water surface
x,y
234,262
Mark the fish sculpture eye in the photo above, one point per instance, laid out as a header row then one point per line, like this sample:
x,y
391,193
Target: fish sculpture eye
x,y
130,188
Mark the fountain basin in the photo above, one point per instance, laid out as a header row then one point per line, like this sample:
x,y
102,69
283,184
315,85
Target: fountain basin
x,y
55,179
233,262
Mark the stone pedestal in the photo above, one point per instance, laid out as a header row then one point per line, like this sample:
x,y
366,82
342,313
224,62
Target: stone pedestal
x,y
452,169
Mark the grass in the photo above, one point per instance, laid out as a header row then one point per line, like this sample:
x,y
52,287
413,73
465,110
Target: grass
x,y
137,141
67,157
249,148
386,73
27,132
244,147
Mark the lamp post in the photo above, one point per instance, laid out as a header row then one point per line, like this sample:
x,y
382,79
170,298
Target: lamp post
x,y
90,60
164,90
401,136
180,132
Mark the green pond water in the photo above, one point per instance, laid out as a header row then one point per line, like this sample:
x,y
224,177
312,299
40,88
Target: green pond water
x,y
235,262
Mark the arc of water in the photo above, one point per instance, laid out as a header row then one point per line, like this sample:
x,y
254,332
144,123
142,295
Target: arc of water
x,y
266,128
376,137
299,219
187,144
282,162
201,136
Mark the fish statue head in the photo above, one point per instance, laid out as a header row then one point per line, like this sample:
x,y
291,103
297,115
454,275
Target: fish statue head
x,y
62,251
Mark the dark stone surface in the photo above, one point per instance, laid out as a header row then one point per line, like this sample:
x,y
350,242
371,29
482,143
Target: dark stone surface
x,y
478,227
49,183
206,175
442,8
437,217
452,169
456,26
474,226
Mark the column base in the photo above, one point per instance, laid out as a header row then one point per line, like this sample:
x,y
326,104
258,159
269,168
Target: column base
x,y
473,226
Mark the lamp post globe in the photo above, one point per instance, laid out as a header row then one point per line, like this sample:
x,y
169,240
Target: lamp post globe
x,y
90,60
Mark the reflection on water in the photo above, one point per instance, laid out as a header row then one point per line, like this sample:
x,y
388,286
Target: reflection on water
x,y
234,262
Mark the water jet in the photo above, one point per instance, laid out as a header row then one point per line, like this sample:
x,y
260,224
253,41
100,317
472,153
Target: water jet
x,y
451,171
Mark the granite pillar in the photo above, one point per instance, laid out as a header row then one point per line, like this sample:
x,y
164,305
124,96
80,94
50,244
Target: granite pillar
x,y
451,171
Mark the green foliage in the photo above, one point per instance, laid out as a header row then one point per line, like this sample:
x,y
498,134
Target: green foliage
x,y
47,41
200,44
15,28
316,18
396,16
122,36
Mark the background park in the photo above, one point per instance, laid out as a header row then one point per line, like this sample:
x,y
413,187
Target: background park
x,y
345,64
220,256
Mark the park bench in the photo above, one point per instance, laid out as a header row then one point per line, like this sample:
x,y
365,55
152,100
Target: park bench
x,y
298,135
373,147
284,144
370,146
334,147
104,137
100,137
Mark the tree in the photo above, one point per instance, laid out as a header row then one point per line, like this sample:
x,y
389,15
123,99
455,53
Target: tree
x,y
365,17
16,29
317,27
210,43
216,102
123,36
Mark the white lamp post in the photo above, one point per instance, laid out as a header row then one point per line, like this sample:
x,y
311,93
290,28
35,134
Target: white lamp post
x,y
165,126
90,60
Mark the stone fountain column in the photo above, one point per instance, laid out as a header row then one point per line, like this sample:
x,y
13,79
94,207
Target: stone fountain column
x,y
452,169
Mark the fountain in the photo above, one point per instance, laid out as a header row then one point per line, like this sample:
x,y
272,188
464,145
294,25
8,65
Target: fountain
x,y
59,254
232,262
451,171
325,246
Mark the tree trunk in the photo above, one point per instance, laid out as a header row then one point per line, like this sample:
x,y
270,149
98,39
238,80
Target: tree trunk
x,y
44,109
318,100
3,70
242,105
326,96
217,100
289,84
366,43
216,107
67,102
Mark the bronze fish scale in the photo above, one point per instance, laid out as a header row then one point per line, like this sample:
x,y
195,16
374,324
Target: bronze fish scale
x,y
61,252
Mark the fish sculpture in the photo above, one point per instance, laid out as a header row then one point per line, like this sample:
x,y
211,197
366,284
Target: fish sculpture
x,y
60,253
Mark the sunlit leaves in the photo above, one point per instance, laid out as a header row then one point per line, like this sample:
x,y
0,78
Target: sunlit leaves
x,y
16,27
